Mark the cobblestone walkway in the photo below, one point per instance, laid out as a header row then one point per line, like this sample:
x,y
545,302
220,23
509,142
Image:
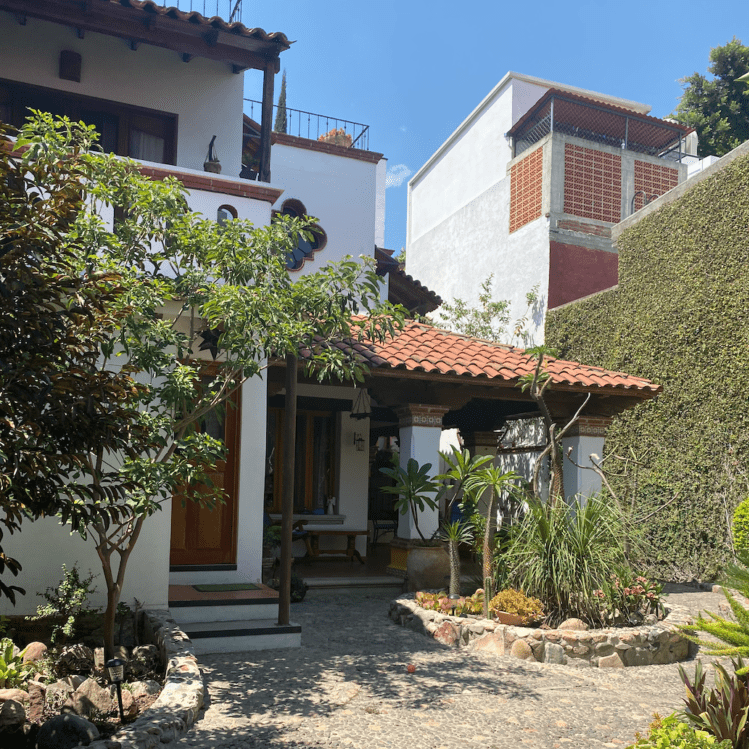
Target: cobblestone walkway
x,y
348,687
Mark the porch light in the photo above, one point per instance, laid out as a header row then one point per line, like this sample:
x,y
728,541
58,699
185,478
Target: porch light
x,y
116,670
362,405
359,442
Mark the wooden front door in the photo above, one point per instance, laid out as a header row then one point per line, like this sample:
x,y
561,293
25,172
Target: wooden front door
x,y
204,535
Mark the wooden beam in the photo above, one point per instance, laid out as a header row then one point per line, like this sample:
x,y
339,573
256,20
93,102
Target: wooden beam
x,y
266,123
287,500
160,31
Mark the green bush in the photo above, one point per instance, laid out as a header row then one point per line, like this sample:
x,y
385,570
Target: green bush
x,y
670,733
678,317
562,554
740,528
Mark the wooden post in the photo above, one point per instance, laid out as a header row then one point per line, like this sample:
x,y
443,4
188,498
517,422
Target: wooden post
x,y
266,123
287,498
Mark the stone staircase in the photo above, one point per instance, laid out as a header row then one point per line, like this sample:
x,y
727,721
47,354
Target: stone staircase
x,y
231,621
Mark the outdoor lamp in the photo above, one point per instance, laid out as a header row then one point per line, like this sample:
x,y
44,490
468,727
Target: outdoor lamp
x,y
359,442
116,669
454,598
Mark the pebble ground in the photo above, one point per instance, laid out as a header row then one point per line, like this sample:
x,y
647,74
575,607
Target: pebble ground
x,y
348,686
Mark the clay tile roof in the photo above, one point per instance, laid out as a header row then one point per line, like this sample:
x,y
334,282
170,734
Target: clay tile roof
x,y
425,348
149,6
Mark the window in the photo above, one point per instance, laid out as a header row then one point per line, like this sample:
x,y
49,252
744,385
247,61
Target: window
x,y
314,471
225,213
306,246
142,134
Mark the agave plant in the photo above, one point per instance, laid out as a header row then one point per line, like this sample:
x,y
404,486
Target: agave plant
x,y
455,533
722,710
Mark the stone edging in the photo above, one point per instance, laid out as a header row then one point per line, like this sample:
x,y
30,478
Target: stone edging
x,y
177,707
614,647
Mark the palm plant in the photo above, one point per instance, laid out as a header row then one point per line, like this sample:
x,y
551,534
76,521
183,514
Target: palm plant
x,y
491,480
415,488
562,553
455,533
462,466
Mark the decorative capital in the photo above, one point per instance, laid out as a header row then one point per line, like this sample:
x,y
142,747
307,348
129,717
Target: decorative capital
x,y
589,426
419,415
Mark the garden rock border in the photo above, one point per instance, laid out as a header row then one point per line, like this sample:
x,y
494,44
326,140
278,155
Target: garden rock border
x,y
615,647
177,707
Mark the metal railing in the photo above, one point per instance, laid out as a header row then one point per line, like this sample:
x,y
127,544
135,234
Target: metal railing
x,y
599,124
314,126
228,10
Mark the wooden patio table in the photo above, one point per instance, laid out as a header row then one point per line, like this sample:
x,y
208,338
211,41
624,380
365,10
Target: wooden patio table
x,y
313,543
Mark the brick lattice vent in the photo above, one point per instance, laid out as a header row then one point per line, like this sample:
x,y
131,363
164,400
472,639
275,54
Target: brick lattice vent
x,y
525,189
592,184
654,180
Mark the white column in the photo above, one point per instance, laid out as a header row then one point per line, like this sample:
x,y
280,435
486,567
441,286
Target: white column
x,y
586,438
419,432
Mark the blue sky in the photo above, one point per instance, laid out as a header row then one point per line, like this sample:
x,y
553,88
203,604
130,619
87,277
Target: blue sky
x,y
413,70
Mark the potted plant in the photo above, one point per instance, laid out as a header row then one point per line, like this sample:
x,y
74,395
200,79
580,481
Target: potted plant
x,y
338,137
515,608
427,564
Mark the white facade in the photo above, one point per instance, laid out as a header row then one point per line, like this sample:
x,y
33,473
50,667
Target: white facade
x,y
342,192
205,95
459,202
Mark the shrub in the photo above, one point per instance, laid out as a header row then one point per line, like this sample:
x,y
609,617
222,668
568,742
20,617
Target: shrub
x,y
444,604
67,601
722,709
629,594
514,602
740,528
562,554
671,733
13,671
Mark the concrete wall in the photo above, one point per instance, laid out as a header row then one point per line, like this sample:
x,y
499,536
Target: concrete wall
x,y
204,94
455,257
339,191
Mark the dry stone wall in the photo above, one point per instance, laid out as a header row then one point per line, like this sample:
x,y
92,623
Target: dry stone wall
x,y
616,647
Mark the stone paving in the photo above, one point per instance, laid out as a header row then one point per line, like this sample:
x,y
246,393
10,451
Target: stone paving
x,y
348,686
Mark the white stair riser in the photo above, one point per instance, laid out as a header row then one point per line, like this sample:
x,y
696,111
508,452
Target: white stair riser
x,y
234,644
190,614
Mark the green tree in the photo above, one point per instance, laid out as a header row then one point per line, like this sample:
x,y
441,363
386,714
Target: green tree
x,y
56,404
191,290
718,108
280,125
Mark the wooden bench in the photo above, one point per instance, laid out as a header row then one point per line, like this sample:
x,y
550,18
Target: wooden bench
x,y
312,540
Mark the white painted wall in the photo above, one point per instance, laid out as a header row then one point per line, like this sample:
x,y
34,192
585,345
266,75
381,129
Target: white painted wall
x,y
380,187
43,546
454,258
204,94
339,191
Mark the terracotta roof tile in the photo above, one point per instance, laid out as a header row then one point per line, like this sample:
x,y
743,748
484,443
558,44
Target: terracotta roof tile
x,y
422,347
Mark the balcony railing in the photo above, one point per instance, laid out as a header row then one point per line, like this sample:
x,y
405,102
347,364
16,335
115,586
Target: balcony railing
x,y
316,126
228,10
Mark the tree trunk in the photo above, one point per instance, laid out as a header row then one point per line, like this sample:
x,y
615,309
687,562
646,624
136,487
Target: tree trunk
x,y
487,552
454,569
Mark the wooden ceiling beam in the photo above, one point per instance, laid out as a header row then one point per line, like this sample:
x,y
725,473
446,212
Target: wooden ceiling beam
x,y
136,27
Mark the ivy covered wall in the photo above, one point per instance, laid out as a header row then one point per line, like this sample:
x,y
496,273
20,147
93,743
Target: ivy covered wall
x,y
680,317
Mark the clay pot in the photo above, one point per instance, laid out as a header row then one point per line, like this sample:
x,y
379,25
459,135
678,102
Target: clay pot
x,y
428,567
513,620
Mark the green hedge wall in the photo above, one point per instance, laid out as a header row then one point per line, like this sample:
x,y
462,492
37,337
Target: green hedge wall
x,y
680,317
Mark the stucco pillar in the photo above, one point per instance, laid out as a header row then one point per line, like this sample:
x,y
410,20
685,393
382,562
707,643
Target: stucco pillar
x,y
585,437
419,429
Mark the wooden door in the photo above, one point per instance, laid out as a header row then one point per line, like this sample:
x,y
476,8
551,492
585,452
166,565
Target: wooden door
x,y
203,535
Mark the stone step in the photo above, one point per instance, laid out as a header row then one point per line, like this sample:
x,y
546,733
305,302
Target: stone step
x,y
381,581
239,636
223,610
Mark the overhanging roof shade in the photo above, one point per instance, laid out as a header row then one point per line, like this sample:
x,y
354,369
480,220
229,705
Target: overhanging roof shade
x,y
143,21
570,114
404,289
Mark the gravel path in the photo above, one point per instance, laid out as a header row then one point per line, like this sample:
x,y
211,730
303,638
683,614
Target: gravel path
x,y
348,687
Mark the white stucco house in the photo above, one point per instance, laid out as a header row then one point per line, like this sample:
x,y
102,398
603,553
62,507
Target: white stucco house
x,y
528,187
159,83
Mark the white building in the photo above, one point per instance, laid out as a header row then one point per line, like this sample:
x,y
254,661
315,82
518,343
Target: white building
x,y
528,187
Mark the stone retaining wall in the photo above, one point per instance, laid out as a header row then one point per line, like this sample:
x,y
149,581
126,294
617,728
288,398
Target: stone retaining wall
x,y
176,708
615,647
